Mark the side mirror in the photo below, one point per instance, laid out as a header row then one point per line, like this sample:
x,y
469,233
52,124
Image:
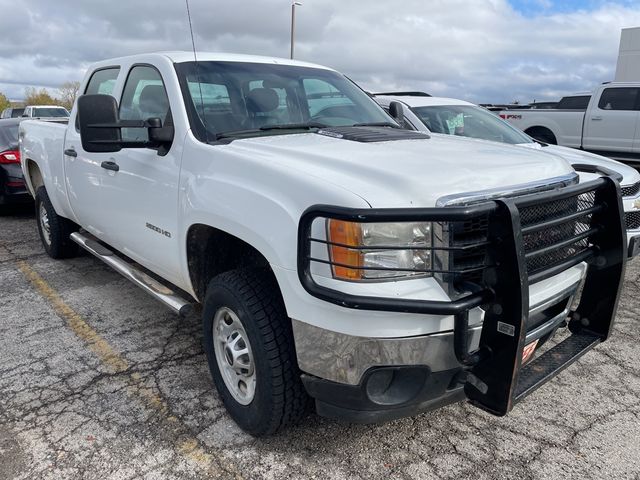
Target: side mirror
x,y
100,127
397,112
98,117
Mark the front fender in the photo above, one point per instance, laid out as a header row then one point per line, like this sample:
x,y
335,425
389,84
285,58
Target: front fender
x,y
258,202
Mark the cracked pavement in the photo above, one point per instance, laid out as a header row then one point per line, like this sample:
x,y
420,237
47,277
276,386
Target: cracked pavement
x,y
99,381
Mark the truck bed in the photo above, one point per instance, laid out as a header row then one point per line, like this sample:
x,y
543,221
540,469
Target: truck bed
x,y
43,142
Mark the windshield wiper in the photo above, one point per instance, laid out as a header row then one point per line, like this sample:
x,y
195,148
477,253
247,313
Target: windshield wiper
x,y
266,128
377,124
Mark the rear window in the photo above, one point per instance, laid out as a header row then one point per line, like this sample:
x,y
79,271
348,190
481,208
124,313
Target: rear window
x,y
50,112
625,98
579,102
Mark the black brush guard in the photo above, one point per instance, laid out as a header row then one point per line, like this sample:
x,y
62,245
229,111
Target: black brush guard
x,y
496,378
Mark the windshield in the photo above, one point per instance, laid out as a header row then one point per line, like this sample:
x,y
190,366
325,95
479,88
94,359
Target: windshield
x,y
50,112
469,121
251,99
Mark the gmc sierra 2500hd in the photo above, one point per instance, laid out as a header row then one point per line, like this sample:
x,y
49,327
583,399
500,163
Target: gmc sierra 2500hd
x,y
338,257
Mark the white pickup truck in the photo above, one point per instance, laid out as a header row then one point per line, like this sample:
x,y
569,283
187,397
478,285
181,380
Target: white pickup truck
x,y
379,271
609,126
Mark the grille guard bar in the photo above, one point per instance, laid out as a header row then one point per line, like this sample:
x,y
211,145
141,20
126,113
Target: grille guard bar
x,y
493,371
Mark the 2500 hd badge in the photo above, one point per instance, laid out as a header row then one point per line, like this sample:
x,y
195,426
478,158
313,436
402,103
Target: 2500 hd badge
x,y
159,230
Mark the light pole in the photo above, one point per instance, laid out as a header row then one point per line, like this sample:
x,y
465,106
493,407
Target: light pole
x,y
293,24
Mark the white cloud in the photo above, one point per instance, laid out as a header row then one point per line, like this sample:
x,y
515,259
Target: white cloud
x,y
478,50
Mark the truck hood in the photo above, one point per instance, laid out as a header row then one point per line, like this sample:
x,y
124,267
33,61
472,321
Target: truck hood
x,y
404,173
629,174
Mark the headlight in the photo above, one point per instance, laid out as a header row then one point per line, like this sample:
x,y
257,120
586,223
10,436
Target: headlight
x,y
356,252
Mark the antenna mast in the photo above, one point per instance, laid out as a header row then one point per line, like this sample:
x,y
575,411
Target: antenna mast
x,y
195,59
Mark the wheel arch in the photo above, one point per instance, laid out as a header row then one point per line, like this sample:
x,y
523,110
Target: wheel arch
x,y
538,131
34,176
211,251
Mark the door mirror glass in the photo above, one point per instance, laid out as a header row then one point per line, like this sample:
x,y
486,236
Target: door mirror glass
x,y
98,118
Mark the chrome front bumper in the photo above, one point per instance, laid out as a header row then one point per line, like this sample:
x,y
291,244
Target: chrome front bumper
x,y
345,358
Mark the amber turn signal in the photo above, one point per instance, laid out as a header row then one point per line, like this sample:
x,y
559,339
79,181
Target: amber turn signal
x,y
345,233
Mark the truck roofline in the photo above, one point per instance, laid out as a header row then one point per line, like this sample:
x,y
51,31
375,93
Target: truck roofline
x,y
422,101
188,56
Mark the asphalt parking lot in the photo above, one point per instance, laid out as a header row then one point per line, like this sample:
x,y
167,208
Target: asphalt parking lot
x,y
97,380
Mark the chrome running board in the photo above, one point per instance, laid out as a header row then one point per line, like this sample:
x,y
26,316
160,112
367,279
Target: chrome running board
x,y
150,285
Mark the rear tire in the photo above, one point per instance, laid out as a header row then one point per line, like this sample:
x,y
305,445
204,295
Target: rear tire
x,y
54,230
250,350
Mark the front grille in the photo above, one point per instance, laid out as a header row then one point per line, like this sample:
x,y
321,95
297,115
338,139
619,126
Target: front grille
x,y
552,232
630,190
632,220
546,246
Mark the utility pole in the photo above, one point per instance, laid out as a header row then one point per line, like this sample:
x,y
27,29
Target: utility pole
x,y
293,25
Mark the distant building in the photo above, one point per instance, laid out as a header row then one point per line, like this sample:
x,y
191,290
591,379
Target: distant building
x,y
628,67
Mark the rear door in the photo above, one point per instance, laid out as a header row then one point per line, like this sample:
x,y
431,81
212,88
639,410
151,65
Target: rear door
x,y
134,207
611,123
84,177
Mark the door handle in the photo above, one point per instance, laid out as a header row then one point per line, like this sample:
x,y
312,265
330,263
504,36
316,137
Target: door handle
x,y
109,165
596,119
70,152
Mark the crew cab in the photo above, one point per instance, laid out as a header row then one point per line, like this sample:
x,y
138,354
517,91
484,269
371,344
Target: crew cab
x,y
337,257
609,125
450,116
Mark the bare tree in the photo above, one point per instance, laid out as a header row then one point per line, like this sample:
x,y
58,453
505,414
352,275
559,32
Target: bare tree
x,y
68,93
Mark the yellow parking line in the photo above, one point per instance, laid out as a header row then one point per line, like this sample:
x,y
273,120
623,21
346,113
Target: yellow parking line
x,y
97,344
190,448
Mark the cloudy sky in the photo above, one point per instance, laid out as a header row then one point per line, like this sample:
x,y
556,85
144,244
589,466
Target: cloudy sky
x,y
481,50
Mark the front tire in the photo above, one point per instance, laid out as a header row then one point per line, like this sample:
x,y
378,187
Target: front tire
x,y
250,350
54,230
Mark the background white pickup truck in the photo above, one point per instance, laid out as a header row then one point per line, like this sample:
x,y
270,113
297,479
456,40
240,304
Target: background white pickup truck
x,y
609,126
338,257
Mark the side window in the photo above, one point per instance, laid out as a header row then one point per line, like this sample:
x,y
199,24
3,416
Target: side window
x,y
574,103
325,99
619,99
103,81
144,97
